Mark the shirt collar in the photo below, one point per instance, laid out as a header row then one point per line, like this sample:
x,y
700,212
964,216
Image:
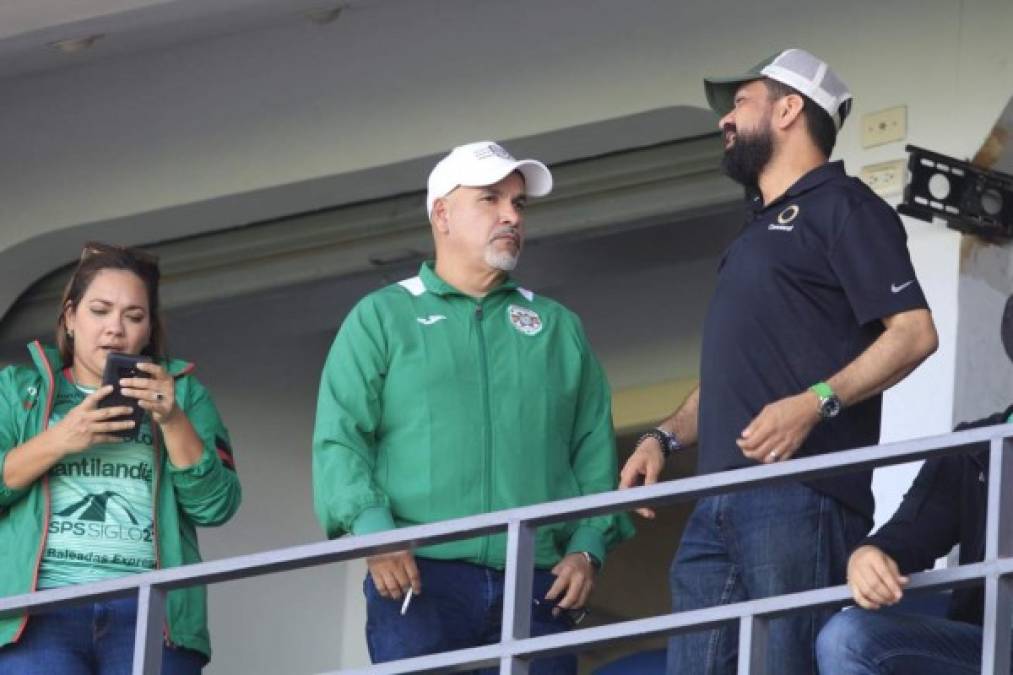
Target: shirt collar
x,y
434,284
816,177
810,180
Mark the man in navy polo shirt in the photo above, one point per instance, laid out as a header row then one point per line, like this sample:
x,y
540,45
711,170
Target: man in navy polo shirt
x,y
817,310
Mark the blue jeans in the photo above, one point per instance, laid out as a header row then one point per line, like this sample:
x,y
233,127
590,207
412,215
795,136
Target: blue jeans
x,y
461,605
753,544
96,639
860,642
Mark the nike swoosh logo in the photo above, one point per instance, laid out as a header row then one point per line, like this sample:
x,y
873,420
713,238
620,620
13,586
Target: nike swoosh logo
x,y
894,288
431,319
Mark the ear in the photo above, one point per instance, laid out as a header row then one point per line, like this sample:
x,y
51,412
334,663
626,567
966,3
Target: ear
x,y
440,218
787,110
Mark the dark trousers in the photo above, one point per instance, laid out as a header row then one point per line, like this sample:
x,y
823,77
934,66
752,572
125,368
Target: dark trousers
x,y
753,544
95,639
860,642
461,605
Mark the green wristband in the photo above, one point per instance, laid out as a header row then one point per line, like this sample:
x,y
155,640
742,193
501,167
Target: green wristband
x,y
822,389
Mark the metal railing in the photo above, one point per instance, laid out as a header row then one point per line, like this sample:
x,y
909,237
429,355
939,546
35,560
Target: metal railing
x,y
516,649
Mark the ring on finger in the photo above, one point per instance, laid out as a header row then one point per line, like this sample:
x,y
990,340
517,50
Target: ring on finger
x,y
159,396
773,455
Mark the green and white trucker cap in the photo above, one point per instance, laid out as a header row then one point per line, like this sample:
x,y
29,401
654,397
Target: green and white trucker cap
x,y
796,68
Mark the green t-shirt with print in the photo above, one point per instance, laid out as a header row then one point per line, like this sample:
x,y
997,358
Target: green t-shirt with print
x,y
100,524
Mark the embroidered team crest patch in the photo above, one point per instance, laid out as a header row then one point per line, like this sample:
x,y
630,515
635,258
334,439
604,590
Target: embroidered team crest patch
x,y
525,320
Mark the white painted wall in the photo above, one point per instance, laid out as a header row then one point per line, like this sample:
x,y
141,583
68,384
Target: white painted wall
x,y
265,385
292,622
985,375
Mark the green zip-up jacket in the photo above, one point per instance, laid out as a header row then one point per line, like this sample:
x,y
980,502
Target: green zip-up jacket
x,y
436,405
206,493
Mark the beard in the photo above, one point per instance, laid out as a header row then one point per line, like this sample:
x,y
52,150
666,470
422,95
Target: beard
x,y
747,157
498,259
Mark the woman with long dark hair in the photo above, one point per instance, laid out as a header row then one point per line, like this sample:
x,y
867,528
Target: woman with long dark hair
x,y
87,494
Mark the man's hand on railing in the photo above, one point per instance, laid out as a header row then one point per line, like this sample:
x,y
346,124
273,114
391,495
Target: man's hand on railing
x,y
643,468
779,430
574,582
874,578
394,573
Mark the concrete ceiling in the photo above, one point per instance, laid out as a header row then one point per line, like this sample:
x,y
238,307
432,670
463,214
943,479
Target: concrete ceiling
x,y
141,97
28,28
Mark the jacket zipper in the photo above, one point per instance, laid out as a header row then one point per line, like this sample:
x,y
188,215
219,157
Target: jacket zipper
x,y
46,496
486,427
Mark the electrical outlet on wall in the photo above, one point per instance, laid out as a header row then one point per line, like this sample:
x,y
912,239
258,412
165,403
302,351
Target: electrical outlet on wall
x,y
885,178
884,126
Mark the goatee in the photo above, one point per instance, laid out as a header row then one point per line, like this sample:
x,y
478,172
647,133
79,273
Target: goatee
x,y
504,261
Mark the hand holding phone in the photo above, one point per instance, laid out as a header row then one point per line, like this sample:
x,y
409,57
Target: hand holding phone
x,y
120,366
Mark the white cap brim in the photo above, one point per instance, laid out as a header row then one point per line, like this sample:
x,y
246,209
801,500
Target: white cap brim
x,y
461,168
537,177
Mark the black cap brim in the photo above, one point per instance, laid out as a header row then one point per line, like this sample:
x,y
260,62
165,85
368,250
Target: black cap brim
x,y
721,91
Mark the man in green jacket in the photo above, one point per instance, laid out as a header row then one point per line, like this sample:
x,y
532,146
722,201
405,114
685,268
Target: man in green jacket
x,y
457,392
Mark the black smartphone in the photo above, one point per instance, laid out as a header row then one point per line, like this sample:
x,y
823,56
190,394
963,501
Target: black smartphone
x,y
119,366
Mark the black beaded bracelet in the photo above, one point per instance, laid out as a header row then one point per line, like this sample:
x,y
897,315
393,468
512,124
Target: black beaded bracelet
x,y
668,442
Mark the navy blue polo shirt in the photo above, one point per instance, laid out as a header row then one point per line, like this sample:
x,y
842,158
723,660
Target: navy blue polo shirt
x,y
800,294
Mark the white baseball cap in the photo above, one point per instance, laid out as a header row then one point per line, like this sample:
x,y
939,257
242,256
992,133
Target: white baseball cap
x,y
484,163
796,68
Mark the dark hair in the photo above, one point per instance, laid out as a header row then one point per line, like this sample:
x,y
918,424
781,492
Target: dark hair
x,y
817,121
95,257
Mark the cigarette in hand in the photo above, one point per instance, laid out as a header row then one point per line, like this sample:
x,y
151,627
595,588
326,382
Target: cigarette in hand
x,y
407,601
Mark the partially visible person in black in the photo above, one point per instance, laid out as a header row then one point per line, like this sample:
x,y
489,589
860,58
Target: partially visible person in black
x,y
945,506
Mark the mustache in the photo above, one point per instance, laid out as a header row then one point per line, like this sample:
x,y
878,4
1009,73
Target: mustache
x,y
505,231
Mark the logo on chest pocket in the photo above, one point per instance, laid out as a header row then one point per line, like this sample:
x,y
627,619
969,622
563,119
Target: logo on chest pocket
x,y
785,217
525,320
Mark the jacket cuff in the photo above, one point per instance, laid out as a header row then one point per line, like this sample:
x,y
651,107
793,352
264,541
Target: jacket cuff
x,y
204,465
373,519
8,495
587,538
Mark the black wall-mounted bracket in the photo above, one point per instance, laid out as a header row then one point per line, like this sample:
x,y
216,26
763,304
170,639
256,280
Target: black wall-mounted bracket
x,y
968,198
